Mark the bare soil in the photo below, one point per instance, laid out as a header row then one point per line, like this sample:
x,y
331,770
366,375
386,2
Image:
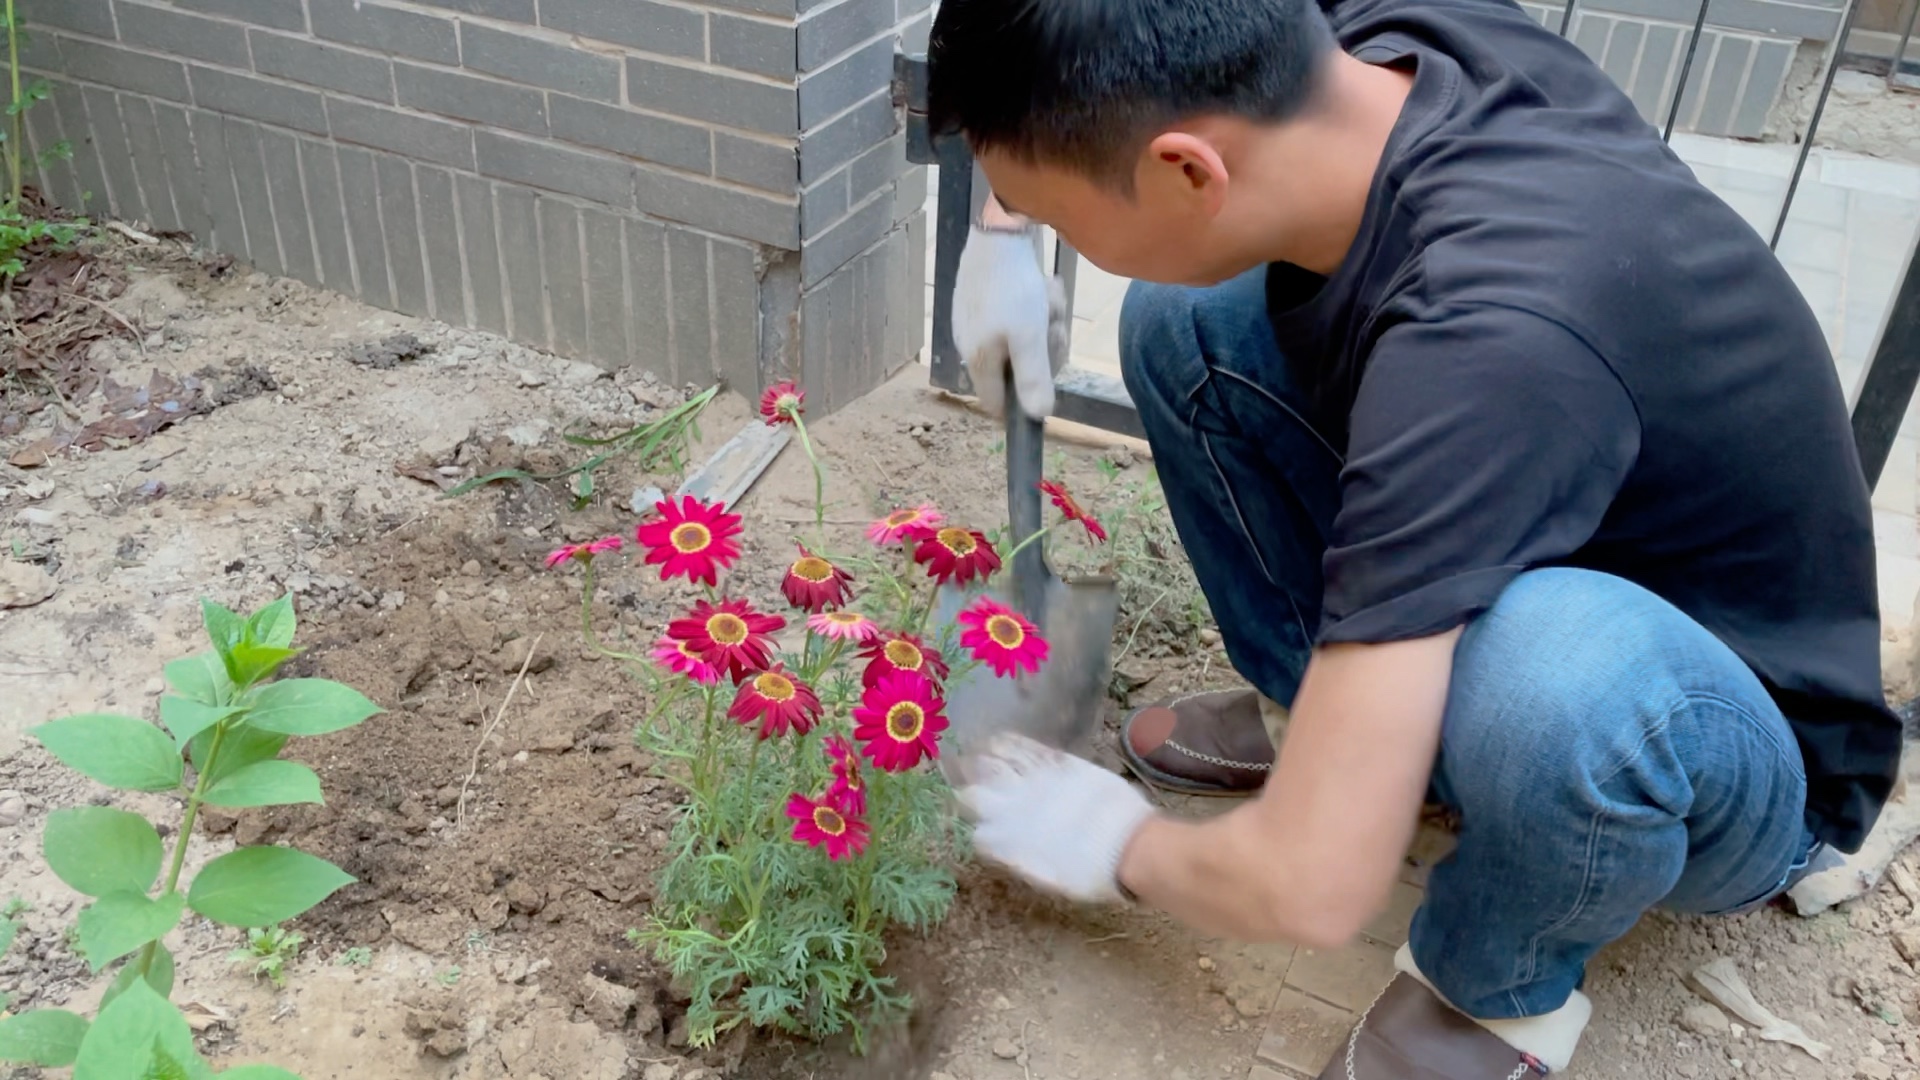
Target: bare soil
x,y
497,877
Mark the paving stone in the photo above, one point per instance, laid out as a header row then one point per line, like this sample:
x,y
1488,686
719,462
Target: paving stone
x,y
1390,927
1348,977
1303,1033
1261,1072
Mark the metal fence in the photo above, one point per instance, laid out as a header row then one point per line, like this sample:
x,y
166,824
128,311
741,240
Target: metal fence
x,y
1100,400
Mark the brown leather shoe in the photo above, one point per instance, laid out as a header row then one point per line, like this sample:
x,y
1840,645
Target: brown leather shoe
x,y
1410,1034
1212,743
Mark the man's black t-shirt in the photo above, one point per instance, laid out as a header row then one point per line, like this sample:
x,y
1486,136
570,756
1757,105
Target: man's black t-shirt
x,y
1552,346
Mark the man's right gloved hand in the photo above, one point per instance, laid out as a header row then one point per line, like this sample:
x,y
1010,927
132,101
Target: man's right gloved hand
x,y
1008,311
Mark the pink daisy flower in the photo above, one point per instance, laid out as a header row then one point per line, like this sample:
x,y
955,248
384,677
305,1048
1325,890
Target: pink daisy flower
x,y
582,552
900,721
1001,637
680,657
817,824
848,793
904,523
843,625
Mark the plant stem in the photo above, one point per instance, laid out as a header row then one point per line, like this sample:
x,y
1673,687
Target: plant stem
x,y
819,479
15,166
586,616
179,859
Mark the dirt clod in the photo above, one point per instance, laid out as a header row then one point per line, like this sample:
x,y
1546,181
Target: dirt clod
x,y
608,1005
1704,1019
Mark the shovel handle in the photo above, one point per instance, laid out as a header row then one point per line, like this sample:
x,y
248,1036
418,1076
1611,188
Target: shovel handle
x,y
1026,452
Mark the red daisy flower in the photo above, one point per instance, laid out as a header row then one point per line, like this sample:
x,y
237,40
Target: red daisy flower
x,y
1071,508
901,652
778,701
904,524
583,552
848,794
817,824
957,555
692,539
730,635
900,721
1001,638
814,584
680,657
780,403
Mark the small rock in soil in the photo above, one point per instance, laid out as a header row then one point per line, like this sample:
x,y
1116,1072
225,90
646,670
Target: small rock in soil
x,y
13,807
1005,1050
607,1004
1873,1069
23,584
525,897
1704,1019
660,1070
1907,943
511,654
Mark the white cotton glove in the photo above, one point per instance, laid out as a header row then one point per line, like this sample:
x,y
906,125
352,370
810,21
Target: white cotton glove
x,y
1057,820
1007,309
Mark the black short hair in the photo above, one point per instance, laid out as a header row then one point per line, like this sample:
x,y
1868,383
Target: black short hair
x,y
1086,83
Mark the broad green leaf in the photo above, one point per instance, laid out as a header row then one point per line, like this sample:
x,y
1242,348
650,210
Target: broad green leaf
x,y
159,975
266,783
124,1037
9,928
118,923
249,662
119,751
241,747
260,886
274,624
309,707
257,1072
46,1037
99,850
224,627
186,717
201,677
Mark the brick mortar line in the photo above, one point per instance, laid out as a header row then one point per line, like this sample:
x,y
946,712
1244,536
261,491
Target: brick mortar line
x,y
834,118
824,282
346,226
380,215
420,234
824,66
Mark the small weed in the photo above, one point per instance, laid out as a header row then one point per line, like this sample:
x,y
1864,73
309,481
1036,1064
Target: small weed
x,y
268,952
448,977
15,908
478,942
358,956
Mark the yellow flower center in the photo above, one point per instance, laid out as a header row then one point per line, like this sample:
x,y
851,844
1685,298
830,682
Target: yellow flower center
x,y
958,541
727,629
689,537
687,650
813,568
905,721
829,822
1005,631
902,517
903,655
773,686
844,618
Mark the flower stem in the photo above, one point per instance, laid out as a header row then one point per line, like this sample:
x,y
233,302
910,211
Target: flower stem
x,y
1021,546
179,858
753,767
16,147
586,616
819,479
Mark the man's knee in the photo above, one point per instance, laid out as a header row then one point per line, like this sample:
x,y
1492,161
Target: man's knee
x,y
1156,334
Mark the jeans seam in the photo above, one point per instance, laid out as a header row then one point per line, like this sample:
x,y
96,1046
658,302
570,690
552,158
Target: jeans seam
x,y
1753,722
1233,501
1338,458
1579,908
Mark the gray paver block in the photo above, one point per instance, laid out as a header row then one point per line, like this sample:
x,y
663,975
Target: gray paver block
x,y
641,24
256,205
688,311
538,62
915,35
330,240
279,14
216,182
602,179
1303,1033
386,29
847,136
724,210
520,244
1348,977
859,230
125,69
149,161
399,218
560,255
282,159
823,204
163,30
712,96
736,315
85,16
509,10
415,136
765,48
258,99
470,97
879,166
482,262
829,30
649,331
1815,203
637,135
334,67
109,146
40,51
851,79
183,172
606,289
360,194
440,232
768,165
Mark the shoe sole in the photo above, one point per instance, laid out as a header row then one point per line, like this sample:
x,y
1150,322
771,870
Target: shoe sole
x,y
1160,779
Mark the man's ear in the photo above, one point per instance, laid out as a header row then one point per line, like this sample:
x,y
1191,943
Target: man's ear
x,y
1186,167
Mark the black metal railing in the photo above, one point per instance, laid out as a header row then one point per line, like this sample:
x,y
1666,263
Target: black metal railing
x,y
1100,400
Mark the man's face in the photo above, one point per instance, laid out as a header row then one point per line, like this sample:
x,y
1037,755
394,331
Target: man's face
x,y
1168,230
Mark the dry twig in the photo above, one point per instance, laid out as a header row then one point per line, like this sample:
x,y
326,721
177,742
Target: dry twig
x,y
460,805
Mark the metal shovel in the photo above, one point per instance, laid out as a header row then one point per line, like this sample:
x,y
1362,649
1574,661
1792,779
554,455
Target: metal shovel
x,y
1060,704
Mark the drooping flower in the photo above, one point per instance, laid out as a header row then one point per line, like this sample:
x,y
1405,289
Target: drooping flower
x,y
778,701
814,584
901,651
1070,507
848,793
690,539
780,403
843,625
583,552
680,657
1001,637
817,824
904,523
900,721
957,555
729,635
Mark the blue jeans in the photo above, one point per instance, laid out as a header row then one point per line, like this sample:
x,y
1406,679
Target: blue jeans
x,y
1605,753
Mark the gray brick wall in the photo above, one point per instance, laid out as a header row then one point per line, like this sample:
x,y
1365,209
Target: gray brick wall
x,y
705,188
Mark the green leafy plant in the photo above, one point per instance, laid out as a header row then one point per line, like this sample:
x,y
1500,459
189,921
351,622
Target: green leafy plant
x,y
358,956
18,229
268,951
449,977
228,718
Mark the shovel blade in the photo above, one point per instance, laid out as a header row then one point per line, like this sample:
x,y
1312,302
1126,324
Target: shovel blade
x,y
1060,704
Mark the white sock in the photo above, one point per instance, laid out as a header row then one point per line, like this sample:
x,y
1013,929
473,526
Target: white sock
x,y
1552,1038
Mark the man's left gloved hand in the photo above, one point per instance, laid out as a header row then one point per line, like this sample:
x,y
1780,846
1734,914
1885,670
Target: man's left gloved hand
x,y
1055,819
